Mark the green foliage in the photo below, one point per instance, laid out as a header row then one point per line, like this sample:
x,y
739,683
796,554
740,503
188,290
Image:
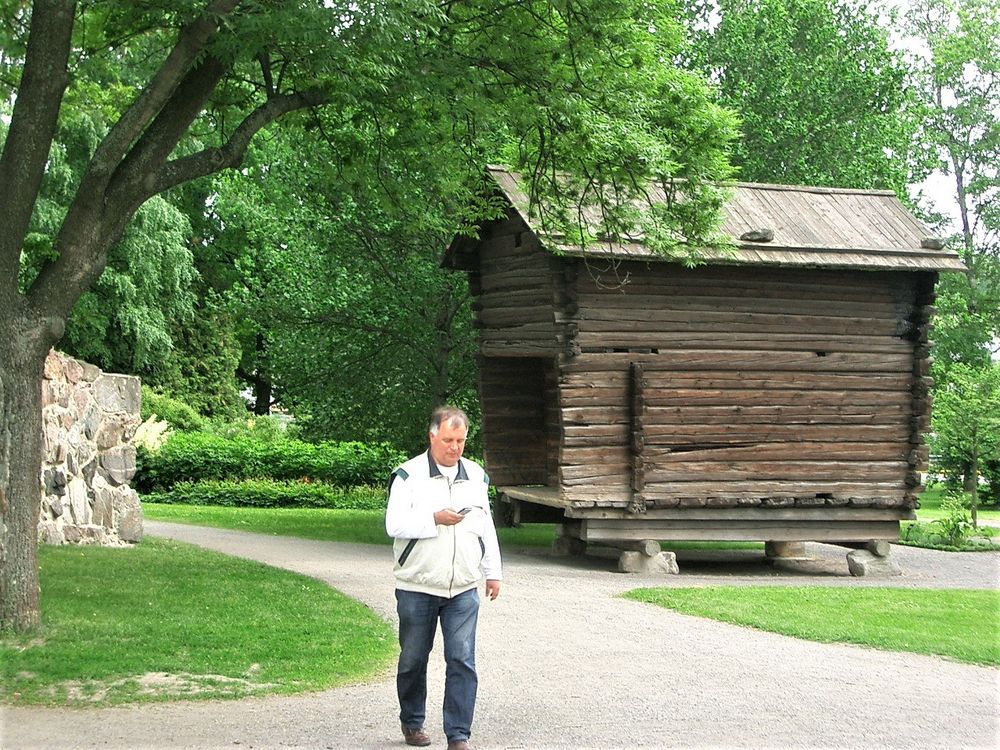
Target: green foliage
x,y
956,524
966,421
169,409
197,456
955,69
202,369
121,324
270,493
223,627
820,93
956,624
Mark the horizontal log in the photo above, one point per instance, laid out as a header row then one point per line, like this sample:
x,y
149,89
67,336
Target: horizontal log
x,y
640,320
669,417
766,360
757,513
497,317
736,341
644,278
617,471
690,301
743,434
520,348
789,450
816,471
697,487
819,531
680,397
607,452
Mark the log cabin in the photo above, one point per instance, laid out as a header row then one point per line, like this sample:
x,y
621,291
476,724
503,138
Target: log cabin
x,y
777,391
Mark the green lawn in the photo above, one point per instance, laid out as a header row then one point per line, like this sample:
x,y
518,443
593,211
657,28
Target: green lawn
x,y
961,625
358,526
930,508
166,620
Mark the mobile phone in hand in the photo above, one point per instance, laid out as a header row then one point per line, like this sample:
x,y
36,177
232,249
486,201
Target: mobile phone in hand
x,y
464,511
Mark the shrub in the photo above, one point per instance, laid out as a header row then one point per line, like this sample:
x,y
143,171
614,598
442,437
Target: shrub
x,y
270,493
196,456
956,524
169,409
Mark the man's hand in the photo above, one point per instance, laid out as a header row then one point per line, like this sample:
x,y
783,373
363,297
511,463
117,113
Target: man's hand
x,y
492,589
447,517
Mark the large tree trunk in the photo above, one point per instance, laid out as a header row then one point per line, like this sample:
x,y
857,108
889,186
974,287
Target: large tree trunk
x,y
21,365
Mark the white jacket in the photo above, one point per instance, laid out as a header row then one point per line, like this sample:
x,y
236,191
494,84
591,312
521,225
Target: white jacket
x,y
441,560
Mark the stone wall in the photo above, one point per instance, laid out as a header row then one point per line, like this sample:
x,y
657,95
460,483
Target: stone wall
x,y
88,420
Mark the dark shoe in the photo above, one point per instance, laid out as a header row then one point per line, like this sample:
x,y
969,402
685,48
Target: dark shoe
x,y
416,737
459,745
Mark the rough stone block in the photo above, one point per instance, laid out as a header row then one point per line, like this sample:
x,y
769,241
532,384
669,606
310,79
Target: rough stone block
x,y
53,366
93,535
90,372
55,481
110,433
785,550
117,393
632,561
79,503
56,508
72,534
128,516
861,562
103,508
119,464
73,370
50,533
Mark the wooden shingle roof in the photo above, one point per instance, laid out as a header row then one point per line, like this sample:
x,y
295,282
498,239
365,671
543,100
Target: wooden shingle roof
x,y
811,226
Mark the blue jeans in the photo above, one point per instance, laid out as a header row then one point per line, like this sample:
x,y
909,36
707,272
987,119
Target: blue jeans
x,y
418,618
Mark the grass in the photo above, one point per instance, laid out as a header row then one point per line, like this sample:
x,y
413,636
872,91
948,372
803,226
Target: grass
x,y
962,625
930,508
358,526
166,620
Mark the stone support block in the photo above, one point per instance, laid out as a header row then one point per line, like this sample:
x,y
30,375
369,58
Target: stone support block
x,y
632,561
785,550
861,562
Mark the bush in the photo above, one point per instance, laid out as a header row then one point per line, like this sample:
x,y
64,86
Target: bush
x,y
269,493
169,409
197,456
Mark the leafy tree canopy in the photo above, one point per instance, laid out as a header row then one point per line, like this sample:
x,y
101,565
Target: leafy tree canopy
x,y
821,95
581,86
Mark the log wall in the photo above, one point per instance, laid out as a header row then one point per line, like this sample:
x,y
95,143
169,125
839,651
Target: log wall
x,y
517,302
744,386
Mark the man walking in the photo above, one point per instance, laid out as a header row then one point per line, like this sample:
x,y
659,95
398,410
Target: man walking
x,y
445,543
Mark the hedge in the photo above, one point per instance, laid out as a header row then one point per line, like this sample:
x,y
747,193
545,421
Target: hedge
x,y
269,493
169,409
197,456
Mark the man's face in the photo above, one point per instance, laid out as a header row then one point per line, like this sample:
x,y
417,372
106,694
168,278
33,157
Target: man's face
x,y
448,444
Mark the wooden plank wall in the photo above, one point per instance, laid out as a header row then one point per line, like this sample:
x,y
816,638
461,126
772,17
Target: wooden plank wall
x,y
516,300
758,387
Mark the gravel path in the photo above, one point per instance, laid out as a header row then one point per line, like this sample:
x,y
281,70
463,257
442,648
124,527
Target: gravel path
x,y
564,663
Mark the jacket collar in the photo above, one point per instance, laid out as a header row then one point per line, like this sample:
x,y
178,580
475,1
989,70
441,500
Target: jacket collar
x,y
436,472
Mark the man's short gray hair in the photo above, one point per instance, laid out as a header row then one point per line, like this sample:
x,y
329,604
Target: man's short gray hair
x,y
450,415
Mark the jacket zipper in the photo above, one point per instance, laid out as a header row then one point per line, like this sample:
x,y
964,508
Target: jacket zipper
x,y
454,546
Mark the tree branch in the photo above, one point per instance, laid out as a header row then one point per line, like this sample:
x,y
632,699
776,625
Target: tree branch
x,y
231,154
161,89
32,128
